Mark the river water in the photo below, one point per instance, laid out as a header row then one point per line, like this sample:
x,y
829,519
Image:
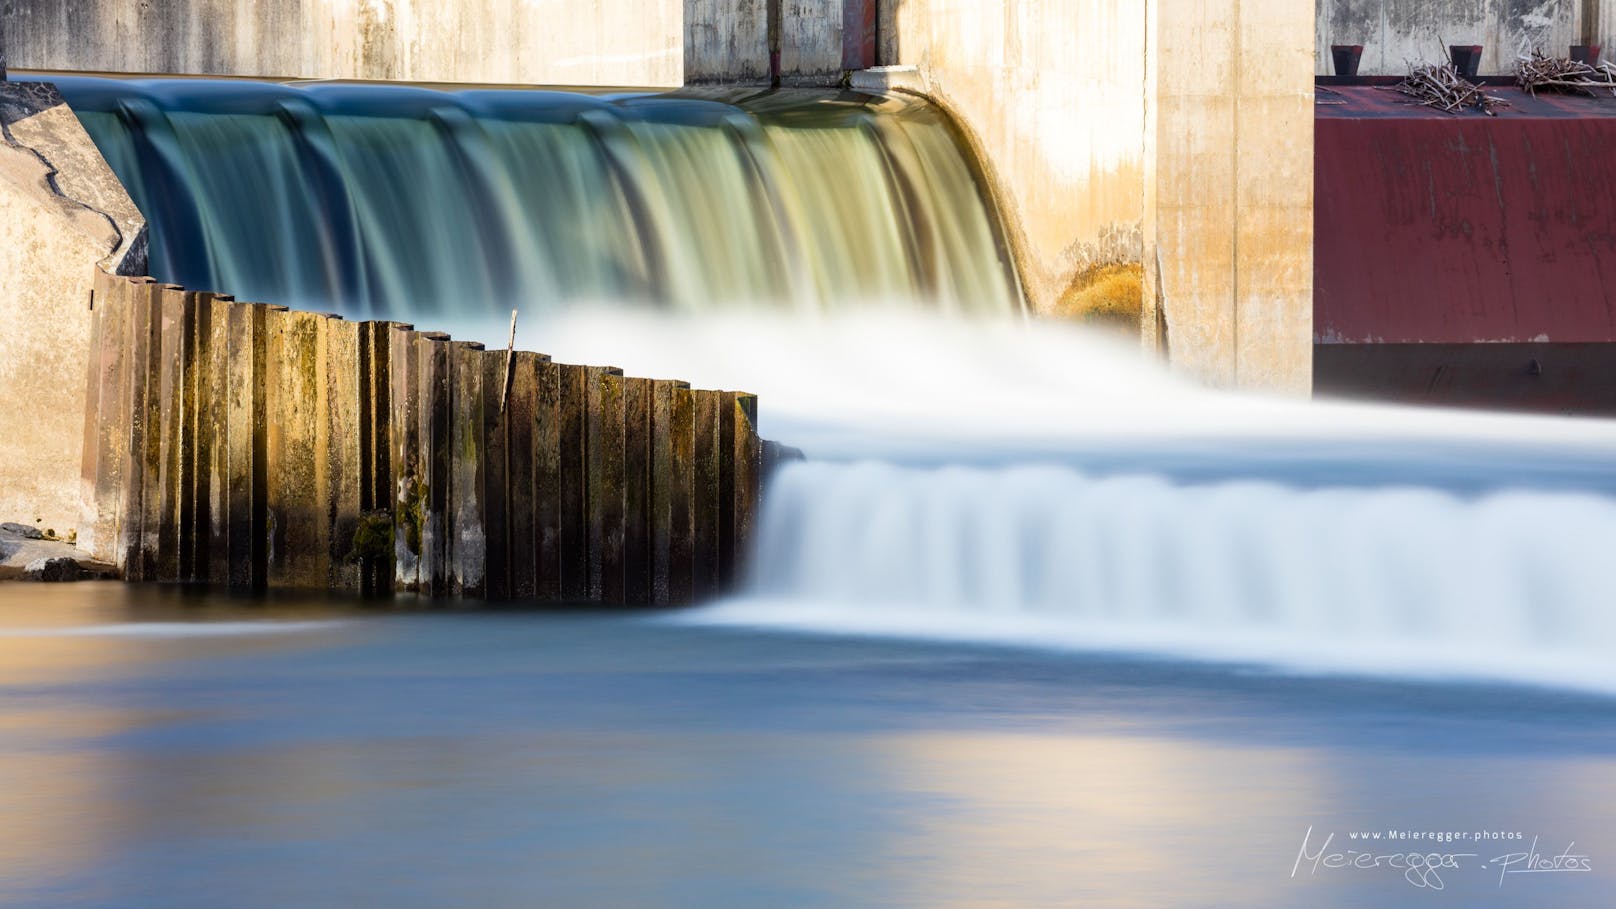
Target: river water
x,y
172,750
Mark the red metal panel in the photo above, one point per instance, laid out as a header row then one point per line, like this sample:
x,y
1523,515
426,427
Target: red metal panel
x,y
858,34
1437,228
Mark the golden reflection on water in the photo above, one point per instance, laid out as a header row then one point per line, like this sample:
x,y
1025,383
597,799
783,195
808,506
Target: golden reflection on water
x,y
1096,820
63,804
54,792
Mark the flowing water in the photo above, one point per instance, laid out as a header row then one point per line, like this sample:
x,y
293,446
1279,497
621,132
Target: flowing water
x,y
438,206
1036,623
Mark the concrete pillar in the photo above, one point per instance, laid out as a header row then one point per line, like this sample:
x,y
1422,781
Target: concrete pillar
x,y
797,42
729,40
811,39
1603,17
1229,191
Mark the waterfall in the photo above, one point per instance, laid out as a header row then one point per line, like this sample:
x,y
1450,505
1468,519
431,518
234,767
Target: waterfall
x,y
1405,581
971,477
414,204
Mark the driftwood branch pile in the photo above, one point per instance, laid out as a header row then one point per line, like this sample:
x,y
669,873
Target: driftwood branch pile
x,y
1558,74
1439,85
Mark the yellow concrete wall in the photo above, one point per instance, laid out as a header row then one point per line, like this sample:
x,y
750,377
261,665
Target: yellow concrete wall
x,y
44,410
1273,151
1176,136
602,42
1229,224
61,213
1051,91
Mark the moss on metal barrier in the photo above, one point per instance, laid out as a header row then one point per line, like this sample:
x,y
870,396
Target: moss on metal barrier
x,y
256,447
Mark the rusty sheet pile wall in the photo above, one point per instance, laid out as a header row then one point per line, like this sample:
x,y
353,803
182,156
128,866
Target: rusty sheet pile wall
x,y
246,445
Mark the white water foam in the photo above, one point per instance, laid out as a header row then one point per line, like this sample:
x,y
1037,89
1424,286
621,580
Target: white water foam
x,y
955,499
883,380
1401,581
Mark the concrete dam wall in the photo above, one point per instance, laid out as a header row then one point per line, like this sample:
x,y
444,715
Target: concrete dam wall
x,y
252,446
604,42
1153,161
1395,33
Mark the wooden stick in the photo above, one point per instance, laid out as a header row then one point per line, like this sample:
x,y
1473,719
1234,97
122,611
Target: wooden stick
x,y
510,364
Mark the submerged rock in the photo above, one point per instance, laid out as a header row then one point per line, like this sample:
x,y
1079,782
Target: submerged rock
x,y
54,569
22,530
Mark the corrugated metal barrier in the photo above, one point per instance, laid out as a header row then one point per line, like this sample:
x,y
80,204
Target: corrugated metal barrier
x,y
250,446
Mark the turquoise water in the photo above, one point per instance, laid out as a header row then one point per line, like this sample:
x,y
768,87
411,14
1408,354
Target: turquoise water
x,y
442,206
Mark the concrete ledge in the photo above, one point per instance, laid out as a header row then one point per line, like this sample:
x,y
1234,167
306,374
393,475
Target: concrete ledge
x,y
889,79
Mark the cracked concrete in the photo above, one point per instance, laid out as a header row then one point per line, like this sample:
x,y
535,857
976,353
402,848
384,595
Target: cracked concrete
x,y
64,213
47,152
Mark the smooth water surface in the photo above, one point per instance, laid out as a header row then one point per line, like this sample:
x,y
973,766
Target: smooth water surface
x,y
174,751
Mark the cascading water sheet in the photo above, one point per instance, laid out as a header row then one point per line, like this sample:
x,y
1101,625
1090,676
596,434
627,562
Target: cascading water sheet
x,y
974,476
442,206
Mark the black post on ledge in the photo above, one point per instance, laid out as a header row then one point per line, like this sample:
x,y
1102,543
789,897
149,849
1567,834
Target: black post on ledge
x,y
1346,58
1466,58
